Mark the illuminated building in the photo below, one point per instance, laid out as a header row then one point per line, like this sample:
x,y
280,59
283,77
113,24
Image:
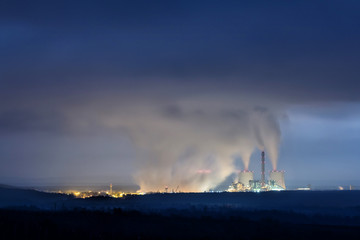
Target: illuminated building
x,y
247,183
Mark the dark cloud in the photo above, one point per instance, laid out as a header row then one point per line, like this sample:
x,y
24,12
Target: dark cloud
x,y
30,121
289,51
173,111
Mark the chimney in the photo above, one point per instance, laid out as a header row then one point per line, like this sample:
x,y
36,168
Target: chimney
x,y
262,169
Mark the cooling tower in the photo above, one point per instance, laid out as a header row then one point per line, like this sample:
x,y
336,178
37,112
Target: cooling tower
x,y
245,177
278,177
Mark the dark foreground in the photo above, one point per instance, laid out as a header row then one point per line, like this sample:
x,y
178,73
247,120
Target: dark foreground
x,y
192,224
29,214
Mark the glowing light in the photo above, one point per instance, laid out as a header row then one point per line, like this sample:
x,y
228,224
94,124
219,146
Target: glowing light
x,y
76,194
203,171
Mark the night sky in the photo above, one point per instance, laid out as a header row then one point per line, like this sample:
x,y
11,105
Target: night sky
x,y
128,92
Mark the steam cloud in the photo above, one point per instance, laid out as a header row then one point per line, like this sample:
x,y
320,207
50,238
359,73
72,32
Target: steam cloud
x,y
191,145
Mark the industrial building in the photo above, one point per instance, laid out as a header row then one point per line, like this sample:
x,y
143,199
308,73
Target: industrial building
x,y
246,182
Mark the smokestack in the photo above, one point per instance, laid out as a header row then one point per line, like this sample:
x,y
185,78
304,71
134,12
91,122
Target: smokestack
x,y
262,169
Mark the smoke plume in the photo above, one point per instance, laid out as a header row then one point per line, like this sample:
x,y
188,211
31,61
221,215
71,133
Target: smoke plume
x,y
191,145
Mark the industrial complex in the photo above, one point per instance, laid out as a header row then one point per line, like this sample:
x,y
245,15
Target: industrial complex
x,y
246,183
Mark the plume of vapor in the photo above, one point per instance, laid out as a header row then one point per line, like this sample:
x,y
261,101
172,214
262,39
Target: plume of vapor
x,y
192,144
267,133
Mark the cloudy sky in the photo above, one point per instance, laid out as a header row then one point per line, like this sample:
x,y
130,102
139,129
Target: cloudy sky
x,y
182,93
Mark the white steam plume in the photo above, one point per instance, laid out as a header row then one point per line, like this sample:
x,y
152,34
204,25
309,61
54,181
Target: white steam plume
x,y
192,145
267,133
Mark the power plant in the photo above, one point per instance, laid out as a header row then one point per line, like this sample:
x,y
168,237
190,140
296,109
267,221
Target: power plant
x,y
246,182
